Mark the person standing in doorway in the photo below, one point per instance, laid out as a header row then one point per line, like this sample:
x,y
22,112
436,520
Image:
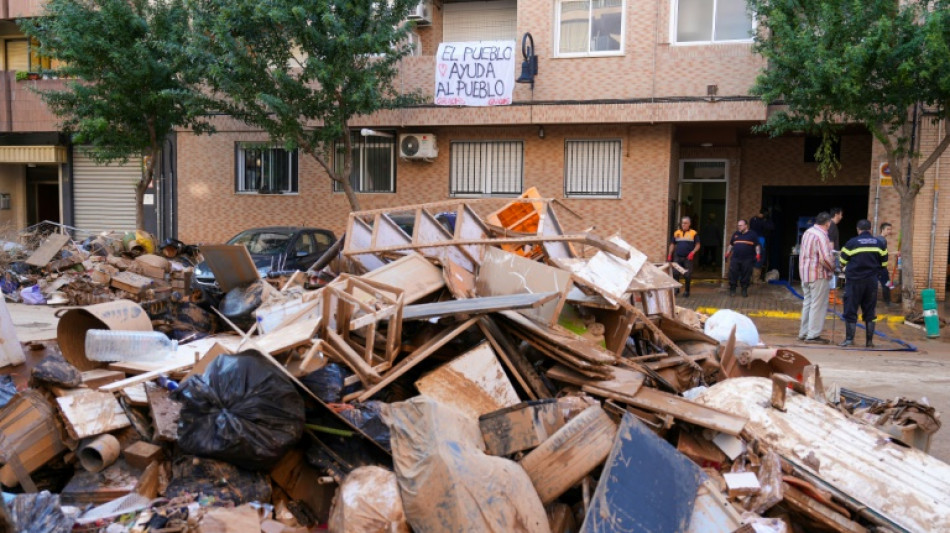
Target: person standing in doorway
x,y
816,266
762,227
836,215
710,237
683,248
862,258
743,252
883,277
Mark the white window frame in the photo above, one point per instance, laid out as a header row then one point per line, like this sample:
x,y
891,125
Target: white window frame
x,y
608,53
674,18
683,162
239,166
487,184
568,194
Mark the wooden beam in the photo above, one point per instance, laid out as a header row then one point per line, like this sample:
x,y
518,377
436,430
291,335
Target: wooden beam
x,y
517,363
584,238
417,357
352,359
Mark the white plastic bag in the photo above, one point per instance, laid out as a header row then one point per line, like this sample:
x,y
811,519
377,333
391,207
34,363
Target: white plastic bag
x,y
721,323
32,295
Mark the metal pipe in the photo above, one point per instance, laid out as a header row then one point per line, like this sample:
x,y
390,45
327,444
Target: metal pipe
x,y
877,202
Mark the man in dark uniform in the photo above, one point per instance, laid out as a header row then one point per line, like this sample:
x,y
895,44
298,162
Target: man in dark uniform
x,y
862,258
683,248
743,252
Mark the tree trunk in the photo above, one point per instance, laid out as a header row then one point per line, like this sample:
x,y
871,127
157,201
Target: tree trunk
x,y
350,195
908,201
140,188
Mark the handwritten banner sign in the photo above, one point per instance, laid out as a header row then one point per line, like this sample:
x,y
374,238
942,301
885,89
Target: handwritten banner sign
x,y
475,73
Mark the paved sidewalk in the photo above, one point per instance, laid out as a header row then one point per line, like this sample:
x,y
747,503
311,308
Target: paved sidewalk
x,y
765,300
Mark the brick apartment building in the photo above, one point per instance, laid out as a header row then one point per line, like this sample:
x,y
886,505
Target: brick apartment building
x,y
640,113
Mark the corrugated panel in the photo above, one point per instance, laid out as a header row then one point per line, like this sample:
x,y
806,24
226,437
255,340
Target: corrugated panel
x,y
104,195
33,154
480,21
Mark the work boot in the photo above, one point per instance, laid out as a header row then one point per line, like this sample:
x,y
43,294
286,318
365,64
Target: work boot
x,y
732,291
869,334
850,328
745,292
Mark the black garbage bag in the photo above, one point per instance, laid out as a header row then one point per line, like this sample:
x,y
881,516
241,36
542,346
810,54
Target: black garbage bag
x,y
327,382
242,410
7,389
56,370
239,304
367,417
222,481
39,512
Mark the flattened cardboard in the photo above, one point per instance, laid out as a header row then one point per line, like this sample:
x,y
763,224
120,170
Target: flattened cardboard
x,y
48,250
231,264
474,383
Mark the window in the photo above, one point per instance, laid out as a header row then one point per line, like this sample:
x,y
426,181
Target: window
x,y
486,167
702,21
265,169
374,163
590,27
496,20
703,170
592,168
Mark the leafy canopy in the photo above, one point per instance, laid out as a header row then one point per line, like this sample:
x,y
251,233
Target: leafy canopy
x,y
301,69
127,91
858,61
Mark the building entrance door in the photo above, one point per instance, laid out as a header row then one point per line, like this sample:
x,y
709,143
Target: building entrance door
x,y
703,190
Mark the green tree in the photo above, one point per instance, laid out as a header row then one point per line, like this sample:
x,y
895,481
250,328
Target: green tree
x,y
884,64
302,69
126,91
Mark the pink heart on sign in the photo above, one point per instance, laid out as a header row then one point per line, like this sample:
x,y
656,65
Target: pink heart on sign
x,y
442,68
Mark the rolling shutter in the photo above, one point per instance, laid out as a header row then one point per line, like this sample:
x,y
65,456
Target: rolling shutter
x,y
480,21
104,195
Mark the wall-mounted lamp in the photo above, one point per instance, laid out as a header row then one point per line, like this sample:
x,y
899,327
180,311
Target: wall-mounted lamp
x,y
540,132
366,132
706,145
529,67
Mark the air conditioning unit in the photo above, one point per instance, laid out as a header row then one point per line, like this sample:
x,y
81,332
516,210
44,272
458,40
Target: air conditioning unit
x,y
417,146
421,13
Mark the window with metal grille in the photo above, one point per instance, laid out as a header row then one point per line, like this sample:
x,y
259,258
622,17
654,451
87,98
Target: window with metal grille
x,y
374,163
265,169
592,168
486,167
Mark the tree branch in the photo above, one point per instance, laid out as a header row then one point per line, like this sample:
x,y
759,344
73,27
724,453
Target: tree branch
x,y
938,151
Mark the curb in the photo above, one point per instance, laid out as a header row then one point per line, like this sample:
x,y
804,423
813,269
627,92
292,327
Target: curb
x,y
797,315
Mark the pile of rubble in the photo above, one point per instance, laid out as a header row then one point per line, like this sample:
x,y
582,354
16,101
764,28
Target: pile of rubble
x,y
481,371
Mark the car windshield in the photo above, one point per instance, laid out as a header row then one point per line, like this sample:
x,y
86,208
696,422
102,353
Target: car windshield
x,y
263,242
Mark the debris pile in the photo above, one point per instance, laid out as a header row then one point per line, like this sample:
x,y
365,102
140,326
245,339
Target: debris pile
x,y
476,369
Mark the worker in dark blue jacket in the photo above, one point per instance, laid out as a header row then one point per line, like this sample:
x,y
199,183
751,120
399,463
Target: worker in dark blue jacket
x,y
862,259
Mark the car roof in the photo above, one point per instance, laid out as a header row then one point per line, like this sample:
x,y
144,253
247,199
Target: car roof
x,y
285,229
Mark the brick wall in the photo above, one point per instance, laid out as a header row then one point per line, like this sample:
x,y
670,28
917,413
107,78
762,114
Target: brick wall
x,y
937,179
210,211
13,182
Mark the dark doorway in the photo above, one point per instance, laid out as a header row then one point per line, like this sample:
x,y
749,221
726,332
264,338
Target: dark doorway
x,y
42,188
787,205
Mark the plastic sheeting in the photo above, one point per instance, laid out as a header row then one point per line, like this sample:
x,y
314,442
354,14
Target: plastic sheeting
x,y
720,325
368,501
446,480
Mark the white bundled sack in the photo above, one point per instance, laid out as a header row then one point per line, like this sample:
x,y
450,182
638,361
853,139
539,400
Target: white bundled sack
x,y
720,325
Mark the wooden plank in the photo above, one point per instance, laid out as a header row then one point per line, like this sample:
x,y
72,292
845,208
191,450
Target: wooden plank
x,y
624,382
583,238
488,304
428,230
232,265
359,237
94,378
519,366
30,437
460,282
147,376
552,350
473,383
287,337
817,511
571,453
414,274
683,409
91,413
568,341
417,357
48,250
102,487
165,412
468,226
136,395
141,454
